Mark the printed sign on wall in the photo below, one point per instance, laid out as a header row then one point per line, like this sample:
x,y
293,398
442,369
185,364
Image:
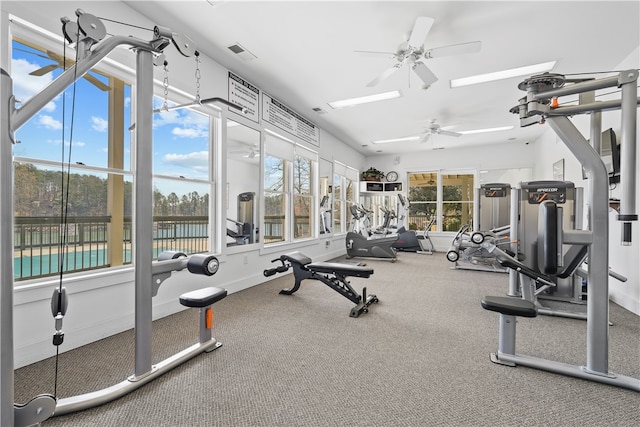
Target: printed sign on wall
x,y
281,116
246,95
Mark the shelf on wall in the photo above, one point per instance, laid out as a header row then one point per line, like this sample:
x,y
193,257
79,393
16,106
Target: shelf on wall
x,y
379,186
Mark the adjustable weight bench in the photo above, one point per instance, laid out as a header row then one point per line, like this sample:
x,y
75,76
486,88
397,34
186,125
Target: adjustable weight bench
x,y
331,274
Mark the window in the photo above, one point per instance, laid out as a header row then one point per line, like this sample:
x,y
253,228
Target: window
x,y
326,197
447,196
84,176
93,167
182,181
243,184
289,190
302,197
275,199
345,179
457,201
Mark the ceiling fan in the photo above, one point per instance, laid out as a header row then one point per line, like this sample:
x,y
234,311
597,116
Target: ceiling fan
x,y
247,152
413,51
436,129
59,63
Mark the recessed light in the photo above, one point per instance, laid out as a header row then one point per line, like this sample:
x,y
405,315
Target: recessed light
x,y
365,99
504,74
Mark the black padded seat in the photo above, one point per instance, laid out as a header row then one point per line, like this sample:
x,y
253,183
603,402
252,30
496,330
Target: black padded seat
x,y
510,306
202,297
297,257
342,269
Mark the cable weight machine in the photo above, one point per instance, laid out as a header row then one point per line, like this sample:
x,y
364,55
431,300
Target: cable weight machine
x,y
539,106
87,33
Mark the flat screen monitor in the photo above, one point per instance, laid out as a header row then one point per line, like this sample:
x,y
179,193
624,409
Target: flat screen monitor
x,y
610,153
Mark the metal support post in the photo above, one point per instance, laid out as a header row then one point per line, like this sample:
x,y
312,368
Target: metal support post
x,y
143,199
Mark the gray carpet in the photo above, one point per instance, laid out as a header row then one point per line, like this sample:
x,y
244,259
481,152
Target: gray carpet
x,y
419,358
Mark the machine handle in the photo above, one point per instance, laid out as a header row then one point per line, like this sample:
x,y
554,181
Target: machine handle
x,y
271,271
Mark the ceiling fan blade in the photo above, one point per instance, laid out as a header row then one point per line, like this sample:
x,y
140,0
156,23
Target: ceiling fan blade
x,y
420,30
44,70
425,74
449,133
454,49
425,137
385,74
376,54
93,80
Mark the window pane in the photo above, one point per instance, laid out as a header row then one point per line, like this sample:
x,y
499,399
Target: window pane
x,y
43,195
41,137
302,217
302,175
243,184
423,187
274,217
349,191
457,187
180,143
273,173
326,194
423,197
337,215
457,195
420,213
337,187
180,216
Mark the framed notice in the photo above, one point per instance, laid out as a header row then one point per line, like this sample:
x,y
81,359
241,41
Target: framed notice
x,y
558,170
246,95
283,117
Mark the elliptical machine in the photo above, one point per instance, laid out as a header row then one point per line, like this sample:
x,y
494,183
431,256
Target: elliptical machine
x,y
358,245
409,240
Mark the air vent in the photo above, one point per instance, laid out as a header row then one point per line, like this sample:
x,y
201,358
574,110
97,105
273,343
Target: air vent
x,y
243,53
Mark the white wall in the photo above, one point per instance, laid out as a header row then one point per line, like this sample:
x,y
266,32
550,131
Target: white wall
x,y
102,304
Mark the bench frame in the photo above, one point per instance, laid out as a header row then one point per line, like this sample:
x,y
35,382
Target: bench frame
x,y
333,275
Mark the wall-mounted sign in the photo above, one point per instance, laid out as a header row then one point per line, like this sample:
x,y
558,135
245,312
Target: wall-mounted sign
x,y
243,93
281,116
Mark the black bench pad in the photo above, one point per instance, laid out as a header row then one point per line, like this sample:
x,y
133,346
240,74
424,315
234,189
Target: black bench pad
x,y
202,297
342,269
510,306
297,257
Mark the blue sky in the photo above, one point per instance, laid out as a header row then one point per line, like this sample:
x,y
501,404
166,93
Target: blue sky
x,y
180,136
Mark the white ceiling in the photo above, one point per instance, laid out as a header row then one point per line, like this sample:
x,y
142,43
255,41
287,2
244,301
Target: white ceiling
x,y
305,57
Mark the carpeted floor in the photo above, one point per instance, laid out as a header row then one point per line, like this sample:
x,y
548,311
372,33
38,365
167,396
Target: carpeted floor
x,y
420,357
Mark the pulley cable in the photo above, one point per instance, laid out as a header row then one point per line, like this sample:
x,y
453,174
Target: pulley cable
x,y
59,299
124,23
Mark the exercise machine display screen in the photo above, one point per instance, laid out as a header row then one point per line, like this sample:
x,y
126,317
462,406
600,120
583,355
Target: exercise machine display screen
x,y
495,192
558,195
